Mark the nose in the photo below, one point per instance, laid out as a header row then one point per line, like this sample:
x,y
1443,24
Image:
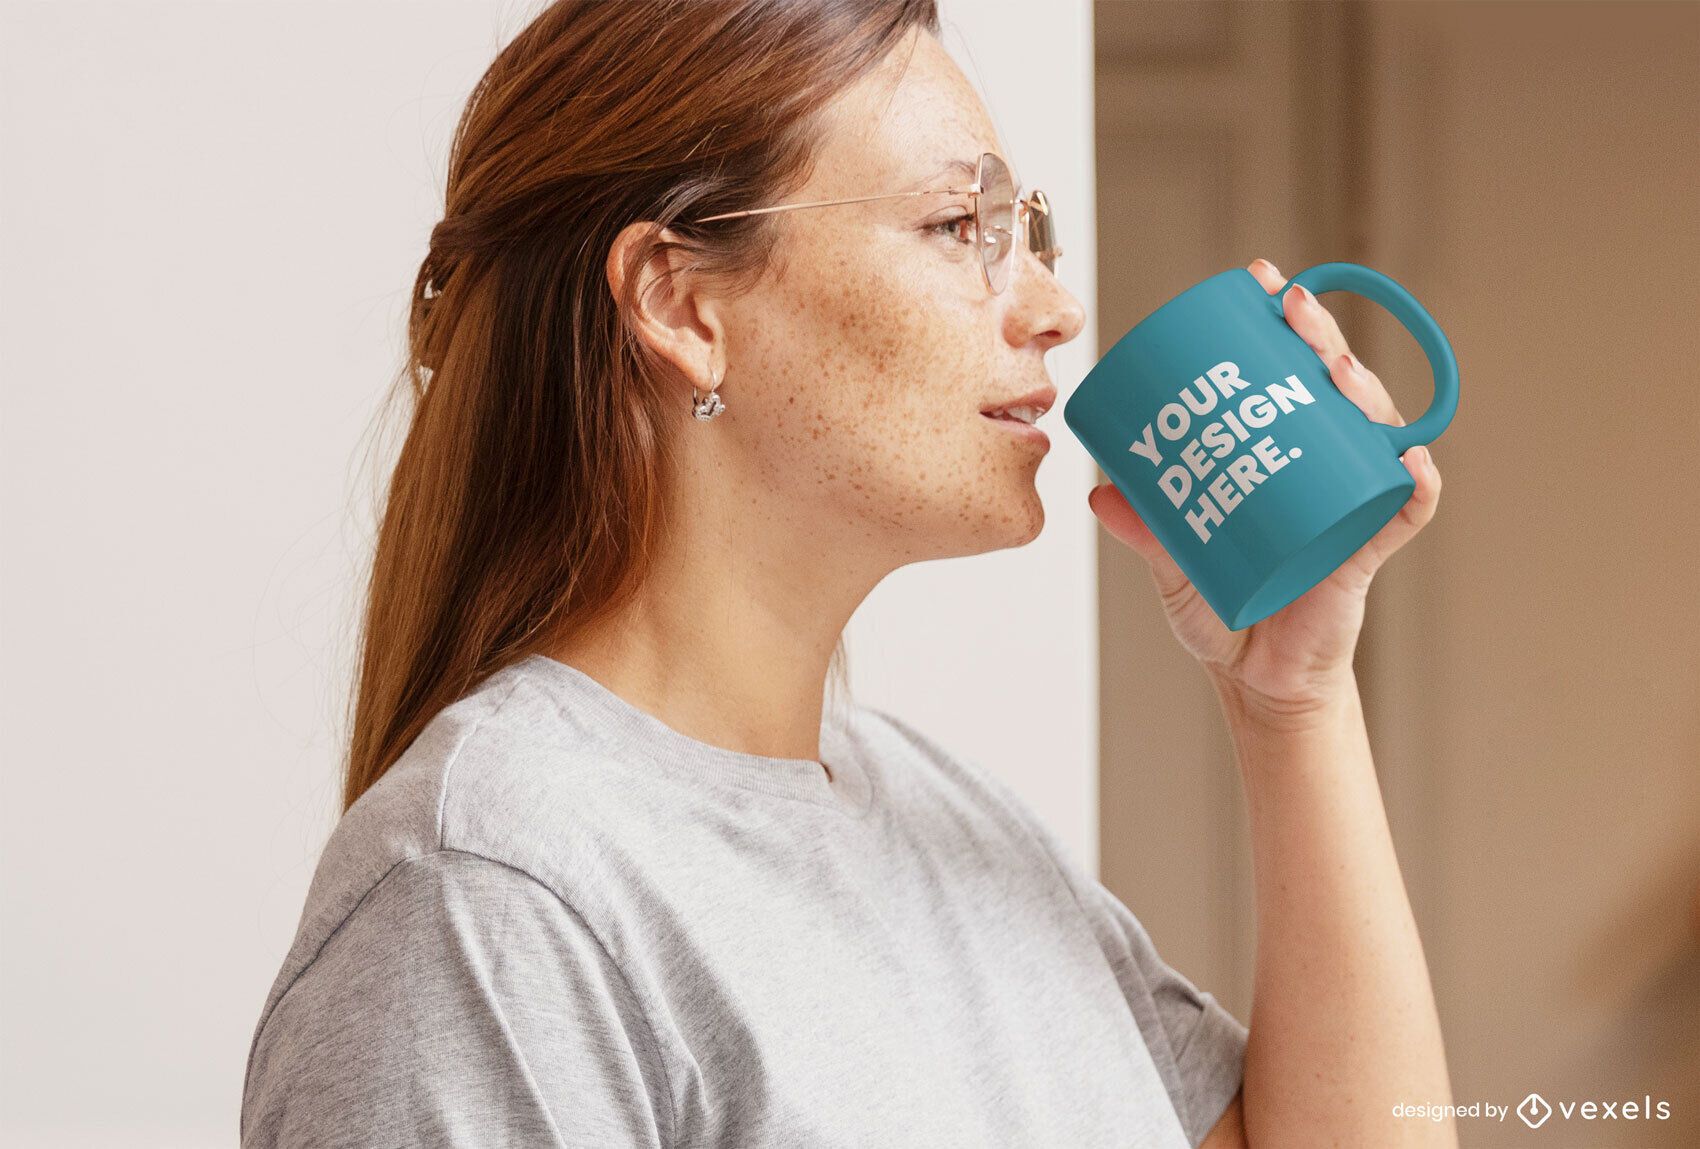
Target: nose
x,y
1042,310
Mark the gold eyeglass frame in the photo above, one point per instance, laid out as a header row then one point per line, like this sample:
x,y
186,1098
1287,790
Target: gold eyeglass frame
x,y
1034,211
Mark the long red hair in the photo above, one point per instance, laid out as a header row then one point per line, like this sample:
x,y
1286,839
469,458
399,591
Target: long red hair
x,y
526,499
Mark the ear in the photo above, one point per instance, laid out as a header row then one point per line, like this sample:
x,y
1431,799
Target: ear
x,y
672,312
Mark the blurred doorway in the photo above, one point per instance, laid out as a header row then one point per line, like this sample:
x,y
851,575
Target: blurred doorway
x,y
1530,171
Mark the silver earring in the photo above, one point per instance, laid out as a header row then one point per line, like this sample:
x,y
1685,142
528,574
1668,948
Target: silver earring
x,y
707,407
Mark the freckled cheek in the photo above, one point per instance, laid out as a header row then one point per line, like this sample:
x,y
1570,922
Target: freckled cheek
x,y
899,454
897,414
900,360
887,380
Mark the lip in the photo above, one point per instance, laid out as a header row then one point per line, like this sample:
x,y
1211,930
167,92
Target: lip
x,y
1042,397
1016,427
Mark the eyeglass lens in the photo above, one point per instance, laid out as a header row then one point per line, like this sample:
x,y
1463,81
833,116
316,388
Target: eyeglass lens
x,y
995,214
997,219
1042,231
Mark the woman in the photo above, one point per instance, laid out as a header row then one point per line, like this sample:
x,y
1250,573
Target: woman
x,y
615,867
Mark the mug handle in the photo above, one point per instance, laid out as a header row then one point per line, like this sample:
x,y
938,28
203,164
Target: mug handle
x,y
1371,284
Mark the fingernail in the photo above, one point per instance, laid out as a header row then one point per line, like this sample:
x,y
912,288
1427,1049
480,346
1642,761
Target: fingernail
x,y
1353,365
1270,266
1420,456
1304,296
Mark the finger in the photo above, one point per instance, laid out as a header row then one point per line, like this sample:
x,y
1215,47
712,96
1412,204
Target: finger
x,y
1122,521
1361,385
1322,332
1416,514
1267,274
1314,323
1303,311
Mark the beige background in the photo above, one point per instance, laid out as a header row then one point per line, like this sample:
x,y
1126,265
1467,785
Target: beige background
x,y
1530,171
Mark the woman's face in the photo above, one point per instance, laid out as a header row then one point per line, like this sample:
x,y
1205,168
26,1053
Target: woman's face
x,y
857,372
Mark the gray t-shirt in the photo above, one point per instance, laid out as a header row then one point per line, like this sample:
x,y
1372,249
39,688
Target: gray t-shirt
x,y
557,921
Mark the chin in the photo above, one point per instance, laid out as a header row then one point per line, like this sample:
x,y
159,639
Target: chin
x,y
994,512
1036,521
1016,522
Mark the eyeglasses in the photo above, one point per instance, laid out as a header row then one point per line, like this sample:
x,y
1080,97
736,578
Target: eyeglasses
x,y
997,215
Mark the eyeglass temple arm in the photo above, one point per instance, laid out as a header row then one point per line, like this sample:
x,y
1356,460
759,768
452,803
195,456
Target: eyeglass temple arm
x,y
1027,204
974,190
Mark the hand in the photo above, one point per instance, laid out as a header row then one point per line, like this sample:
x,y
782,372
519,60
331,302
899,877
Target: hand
x,y
1300,657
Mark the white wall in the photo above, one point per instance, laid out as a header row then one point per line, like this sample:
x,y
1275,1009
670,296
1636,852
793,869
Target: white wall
x,y
210,215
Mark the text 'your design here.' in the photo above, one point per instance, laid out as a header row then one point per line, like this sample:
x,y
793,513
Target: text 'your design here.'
x,y
1236,479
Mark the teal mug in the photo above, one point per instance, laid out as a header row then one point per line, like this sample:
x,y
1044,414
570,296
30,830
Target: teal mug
x,y
1227,434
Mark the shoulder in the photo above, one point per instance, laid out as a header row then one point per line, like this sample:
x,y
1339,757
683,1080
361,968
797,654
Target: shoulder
x,y
499,791
424,906
507,773
453,971
442,912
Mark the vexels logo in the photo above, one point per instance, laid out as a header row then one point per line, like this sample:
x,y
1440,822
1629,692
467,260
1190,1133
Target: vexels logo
x,y
1534,1110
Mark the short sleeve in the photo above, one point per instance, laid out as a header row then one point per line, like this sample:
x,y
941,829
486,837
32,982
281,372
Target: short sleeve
x,y
1199,1046
461,1004
1196,1043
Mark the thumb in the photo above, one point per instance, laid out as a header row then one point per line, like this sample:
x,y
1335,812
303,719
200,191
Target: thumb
x,y
1122,521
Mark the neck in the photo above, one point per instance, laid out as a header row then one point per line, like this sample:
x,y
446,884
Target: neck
x,y
730,638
